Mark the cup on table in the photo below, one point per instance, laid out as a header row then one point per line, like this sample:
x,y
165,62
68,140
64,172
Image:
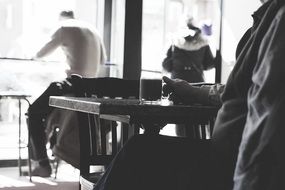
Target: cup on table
x,y
165,96
150,90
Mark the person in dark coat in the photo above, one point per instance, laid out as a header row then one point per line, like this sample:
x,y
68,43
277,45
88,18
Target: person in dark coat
x,y
189,56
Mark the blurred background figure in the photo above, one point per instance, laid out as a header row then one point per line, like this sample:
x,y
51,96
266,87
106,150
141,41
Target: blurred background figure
x,y
189,55
85,53
187,58
80,43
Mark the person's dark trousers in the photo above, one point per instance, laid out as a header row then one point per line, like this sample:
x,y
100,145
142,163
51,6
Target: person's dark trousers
x,y
159,163
37,114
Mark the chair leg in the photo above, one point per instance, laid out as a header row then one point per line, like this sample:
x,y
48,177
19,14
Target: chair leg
x,y
29,148
203,134
29,163
57,162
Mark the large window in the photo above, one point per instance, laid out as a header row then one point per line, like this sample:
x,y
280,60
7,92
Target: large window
x,y
164,19
117,38
25,26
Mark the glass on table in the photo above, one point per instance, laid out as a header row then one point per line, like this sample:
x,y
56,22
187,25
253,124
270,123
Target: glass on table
x,y
150,90
165,95
151,85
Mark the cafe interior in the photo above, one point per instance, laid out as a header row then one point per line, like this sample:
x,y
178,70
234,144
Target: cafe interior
x,y
136,35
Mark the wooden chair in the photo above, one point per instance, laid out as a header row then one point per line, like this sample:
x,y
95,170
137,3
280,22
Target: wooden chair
x,y
93,131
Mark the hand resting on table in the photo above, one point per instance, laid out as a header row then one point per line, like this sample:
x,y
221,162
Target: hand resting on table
x,y
182,92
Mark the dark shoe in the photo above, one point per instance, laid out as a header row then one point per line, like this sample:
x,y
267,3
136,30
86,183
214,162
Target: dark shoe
x,y
42,171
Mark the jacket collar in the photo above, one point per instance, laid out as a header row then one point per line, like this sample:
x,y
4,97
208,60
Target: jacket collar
x,y
259,13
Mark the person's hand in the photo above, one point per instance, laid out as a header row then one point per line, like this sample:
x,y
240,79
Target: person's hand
x,y
180,91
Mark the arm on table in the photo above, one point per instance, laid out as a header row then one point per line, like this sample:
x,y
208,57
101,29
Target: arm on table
x,y
183,92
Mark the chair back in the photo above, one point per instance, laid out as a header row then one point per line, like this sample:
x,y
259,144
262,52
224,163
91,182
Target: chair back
x,y
106,87
95,133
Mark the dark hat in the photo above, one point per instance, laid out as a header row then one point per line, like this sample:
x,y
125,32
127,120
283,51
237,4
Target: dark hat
x,y
67,13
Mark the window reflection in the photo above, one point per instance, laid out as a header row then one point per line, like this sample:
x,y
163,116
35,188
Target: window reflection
x,y
164,19
25,26
117,38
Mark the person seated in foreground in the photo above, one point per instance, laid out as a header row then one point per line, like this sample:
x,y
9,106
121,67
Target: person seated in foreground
x,y
245,150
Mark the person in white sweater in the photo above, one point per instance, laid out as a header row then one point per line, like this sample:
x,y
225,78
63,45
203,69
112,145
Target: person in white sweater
x,y
85,53
80,42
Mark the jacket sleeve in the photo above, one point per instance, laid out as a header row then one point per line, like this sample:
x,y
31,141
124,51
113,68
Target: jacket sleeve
x,y
167,62
214,93
261,151
209,61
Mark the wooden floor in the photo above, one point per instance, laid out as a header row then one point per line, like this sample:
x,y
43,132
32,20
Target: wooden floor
x,y
67,178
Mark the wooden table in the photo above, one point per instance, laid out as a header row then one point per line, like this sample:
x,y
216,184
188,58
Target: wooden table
x,y
152,117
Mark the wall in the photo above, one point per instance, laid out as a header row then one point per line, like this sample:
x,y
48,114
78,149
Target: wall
x,y
237,19
238,14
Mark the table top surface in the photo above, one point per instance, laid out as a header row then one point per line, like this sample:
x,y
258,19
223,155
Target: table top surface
x,y
134,108
14,94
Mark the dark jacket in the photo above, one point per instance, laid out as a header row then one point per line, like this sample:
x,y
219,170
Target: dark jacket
x,y
188,59
241,147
